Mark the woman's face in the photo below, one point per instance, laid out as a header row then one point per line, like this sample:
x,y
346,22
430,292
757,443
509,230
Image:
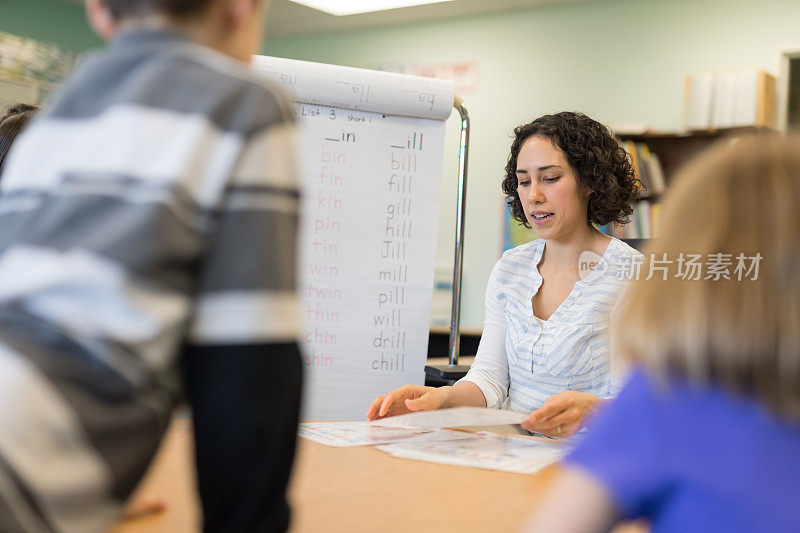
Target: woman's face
x,y
555,203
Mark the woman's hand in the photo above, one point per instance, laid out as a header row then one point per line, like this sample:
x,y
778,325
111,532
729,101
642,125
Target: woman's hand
x,y
563,414
407,399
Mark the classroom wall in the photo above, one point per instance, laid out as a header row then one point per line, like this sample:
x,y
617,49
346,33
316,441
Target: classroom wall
x,y
51,21
617,60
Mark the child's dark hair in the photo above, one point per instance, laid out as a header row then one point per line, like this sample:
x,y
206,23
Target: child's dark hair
x,y
12,121
178,9
599,162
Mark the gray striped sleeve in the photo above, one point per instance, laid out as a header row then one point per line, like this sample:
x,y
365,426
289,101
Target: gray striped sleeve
x,y
247,288
44,446
185,84
157,239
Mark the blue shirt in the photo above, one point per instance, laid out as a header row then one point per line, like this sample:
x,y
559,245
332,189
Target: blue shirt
x,y
695,459
521,363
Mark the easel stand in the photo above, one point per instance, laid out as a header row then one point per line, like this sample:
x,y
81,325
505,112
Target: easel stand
x,y
450,373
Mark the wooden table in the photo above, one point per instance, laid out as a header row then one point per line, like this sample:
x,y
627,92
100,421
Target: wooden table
x,y
171,478
357,489
365,490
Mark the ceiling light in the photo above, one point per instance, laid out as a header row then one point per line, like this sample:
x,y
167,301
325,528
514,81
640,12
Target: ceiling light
x,y
351,7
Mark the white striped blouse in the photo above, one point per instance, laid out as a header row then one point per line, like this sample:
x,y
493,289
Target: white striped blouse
x,y
520,362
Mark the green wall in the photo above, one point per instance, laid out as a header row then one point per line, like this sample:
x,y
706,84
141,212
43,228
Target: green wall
x,y
53,21
620,61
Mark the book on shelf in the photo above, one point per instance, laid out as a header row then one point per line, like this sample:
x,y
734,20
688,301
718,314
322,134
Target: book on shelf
x,y
646,168
729,99
724,100
656,173
643,223
698,95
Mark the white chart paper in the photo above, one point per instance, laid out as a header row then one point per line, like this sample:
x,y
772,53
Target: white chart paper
x,y
368,227
360,89
484,450
456,417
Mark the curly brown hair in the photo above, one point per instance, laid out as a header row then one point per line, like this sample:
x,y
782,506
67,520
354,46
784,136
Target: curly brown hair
x,y
12,120
599,161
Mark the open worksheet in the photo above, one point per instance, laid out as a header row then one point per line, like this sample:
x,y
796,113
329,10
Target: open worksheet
x,y
404,426
343,434
522,455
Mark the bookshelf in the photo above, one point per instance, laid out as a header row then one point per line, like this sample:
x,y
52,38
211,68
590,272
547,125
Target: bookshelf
x,y
675,149
672,150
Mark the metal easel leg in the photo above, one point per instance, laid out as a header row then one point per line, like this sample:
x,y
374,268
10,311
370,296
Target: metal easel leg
x,y
450,373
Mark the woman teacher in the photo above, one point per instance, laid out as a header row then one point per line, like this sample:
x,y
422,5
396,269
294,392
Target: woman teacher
x,y
544,348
